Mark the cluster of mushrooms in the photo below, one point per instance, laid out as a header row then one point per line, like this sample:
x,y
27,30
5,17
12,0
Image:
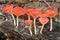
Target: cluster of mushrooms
x,y
31,12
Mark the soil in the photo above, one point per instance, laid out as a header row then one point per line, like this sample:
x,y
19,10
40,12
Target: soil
x,y
7,31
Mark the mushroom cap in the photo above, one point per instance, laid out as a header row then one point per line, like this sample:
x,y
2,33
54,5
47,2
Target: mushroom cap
x,y
43,20
18,11
8,9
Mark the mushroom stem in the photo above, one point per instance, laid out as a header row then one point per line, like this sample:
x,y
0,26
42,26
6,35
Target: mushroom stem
x,y
41,29
28,17
13,19
35,26
17,21
50,24
30,26
30,30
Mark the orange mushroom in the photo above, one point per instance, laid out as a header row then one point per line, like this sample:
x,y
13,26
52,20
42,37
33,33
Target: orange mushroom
x,y
35,13
9,10
43,21
28,12
28,22
18,11
51,13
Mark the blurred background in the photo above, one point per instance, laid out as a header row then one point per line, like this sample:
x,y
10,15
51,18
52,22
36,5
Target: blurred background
x,y
7,30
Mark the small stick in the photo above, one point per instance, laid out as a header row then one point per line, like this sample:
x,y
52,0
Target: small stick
x,y
41,29
47,3
22,29
13,19
17,21
41,7
35,26
56,19
50,24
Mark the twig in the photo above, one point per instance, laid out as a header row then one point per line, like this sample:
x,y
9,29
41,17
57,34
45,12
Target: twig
x,y
26,34
56,19
47,3
41,7
23,29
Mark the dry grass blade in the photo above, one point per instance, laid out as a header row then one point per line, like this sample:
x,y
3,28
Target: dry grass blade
x,y
47,3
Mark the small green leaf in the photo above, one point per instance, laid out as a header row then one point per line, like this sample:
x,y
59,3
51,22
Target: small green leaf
x,y
54,19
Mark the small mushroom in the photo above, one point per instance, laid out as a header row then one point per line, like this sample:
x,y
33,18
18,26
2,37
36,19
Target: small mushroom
x,y
35,13
51,13
18,11
8,10
43,21
28,22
